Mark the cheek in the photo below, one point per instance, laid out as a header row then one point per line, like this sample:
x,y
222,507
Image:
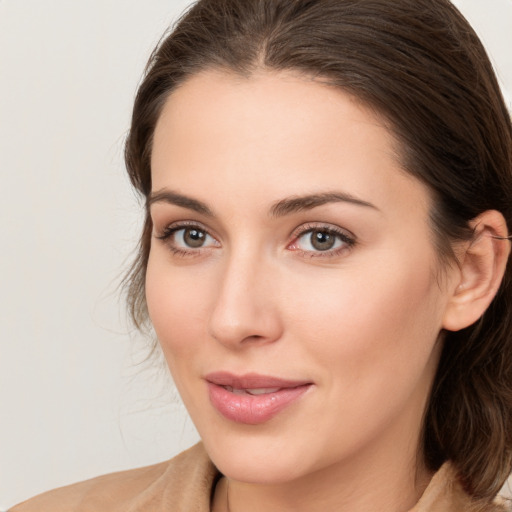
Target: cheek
x,y
370,337
375,323
175,302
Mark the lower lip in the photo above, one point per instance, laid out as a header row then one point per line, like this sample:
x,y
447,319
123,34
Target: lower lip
x,y
253,409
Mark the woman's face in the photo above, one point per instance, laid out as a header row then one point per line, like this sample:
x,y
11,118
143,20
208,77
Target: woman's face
x,y
292,280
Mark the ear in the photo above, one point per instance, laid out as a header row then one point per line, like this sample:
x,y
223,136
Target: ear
x,y
481,265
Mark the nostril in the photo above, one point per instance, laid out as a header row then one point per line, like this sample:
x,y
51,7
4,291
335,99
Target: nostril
x,y
242,314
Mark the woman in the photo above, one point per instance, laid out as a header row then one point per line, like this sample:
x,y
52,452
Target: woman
x,y
325,260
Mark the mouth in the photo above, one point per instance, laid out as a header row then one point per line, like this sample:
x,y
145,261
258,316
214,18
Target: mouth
x,y
255,391
252,399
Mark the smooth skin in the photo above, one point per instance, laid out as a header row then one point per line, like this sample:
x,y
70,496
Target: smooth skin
x,y
344,290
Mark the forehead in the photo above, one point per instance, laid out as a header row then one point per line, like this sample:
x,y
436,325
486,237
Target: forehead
x,y
269,108
278,132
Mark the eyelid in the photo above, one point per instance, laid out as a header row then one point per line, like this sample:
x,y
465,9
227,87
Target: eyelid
x,y
349,239
169,230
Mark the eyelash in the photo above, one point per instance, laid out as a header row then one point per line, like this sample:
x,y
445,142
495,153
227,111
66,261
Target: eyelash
x,y
348,240
171,230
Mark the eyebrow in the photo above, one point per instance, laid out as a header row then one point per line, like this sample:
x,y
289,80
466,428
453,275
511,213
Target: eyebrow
x,y
300,203
282,208
170,197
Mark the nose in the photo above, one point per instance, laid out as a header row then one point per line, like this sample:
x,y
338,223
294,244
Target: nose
x,y
245,311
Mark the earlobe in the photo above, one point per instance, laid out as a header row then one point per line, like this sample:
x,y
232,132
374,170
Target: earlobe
x,y
481,267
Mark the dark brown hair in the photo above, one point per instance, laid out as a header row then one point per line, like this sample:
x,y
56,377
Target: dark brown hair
x,y
421,66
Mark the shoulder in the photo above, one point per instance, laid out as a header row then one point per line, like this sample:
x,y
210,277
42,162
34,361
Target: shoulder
x,y
500,504
445,493
183,483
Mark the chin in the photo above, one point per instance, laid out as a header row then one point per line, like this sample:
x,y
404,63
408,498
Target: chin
x,y
273,471
256,457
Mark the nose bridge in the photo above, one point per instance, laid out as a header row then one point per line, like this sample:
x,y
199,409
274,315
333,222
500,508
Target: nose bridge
x,y
244,308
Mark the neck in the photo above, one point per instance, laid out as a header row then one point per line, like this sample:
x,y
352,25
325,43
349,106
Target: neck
x,y
378,481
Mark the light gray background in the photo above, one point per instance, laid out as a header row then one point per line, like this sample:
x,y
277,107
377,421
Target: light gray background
x,y
76,398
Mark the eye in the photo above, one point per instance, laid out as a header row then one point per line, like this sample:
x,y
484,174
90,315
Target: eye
x,y
187,239
321,241
191,237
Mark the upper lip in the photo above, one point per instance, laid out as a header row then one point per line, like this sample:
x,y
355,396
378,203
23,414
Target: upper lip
x,y
252,381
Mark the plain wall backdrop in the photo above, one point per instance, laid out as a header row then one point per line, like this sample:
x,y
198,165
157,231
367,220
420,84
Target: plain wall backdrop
x,y
76,397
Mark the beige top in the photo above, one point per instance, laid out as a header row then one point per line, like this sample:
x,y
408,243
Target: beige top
x,y
185,484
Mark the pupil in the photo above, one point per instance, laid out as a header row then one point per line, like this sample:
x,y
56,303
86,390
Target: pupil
x,y
322,240
194,237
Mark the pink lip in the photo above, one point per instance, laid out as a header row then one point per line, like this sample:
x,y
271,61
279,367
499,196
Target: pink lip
x,y
252,409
